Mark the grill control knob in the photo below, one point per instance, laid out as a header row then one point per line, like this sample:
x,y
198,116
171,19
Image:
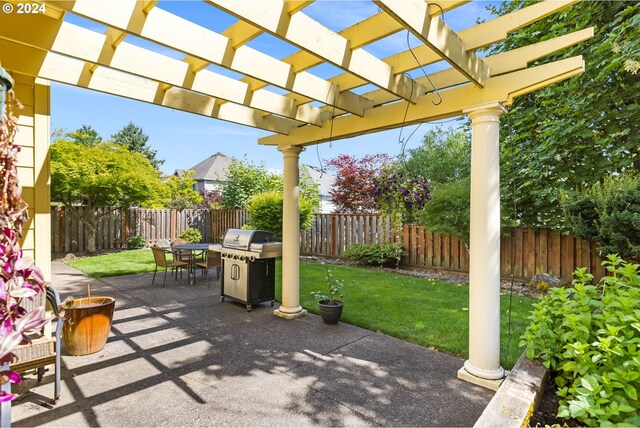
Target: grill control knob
x,y
242,258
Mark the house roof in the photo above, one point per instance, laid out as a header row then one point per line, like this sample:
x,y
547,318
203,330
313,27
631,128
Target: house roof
x,y
215,168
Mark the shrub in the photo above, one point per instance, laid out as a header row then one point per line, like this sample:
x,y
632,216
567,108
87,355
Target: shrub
x,y
588,336
136,242
192,235
380,254
610,214
265,211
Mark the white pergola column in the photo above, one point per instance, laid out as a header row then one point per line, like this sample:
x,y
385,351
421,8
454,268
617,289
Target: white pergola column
x,y
483,366
290,307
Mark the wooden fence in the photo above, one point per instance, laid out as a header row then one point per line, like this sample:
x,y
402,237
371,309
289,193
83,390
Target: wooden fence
x,y
115,226
525,252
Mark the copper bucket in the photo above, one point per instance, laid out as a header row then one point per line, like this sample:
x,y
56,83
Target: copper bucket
x,y
87,323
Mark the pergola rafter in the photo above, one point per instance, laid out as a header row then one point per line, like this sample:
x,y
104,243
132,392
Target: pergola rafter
x,y
438,36
213,48
307,109
392,116
481,35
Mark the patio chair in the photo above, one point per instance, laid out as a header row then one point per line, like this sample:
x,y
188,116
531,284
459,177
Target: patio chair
x,y
43,351
213,260
180,255
163,243
160,257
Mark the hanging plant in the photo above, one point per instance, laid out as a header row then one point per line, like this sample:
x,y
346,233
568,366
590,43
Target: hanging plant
x,y
19,277
398,196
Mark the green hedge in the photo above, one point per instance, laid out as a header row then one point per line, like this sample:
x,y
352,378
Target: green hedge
x,y
380,254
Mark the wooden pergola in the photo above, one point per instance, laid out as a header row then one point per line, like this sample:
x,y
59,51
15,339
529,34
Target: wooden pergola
x,y
306,109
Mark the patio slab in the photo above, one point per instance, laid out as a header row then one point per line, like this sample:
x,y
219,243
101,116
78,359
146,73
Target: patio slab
x,y
177,356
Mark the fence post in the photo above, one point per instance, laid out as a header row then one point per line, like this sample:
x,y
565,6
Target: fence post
x,y
332,243
127,225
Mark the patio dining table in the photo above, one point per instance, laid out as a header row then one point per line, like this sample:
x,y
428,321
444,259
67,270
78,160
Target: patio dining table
x,y
193,253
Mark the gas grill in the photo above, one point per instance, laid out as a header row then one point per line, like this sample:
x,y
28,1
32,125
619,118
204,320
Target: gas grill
x,y
248,266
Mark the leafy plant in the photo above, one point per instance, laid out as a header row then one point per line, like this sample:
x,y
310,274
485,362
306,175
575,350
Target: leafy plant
x,y
181,192
378,254
332,290
448,210
192,235
609,213
101,175
352,191
570,135
265,211
19,278
136,242
588,336
245,179
400,197
211,199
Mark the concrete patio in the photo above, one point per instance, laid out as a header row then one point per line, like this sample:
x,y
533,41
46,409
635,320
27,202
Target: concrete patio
x,y
177,356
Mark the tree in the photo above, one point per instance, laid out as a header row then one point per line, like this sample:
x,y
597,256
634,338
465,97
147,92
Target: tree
x,y
132,137
444,156
352,191
84,135
246,179
211,199
448,210
573,134
100,175
180,192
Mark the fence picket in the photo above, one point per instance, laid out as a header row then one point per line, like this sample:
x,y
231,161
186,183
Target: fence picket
x,y
330,235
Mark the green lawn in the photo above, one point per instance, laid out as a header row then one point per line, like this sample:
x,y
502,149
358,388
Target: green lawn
x,y
115,264
429,313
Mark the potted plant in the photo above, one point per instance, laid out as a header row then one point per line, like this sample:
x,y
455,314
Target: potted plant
x,y
330,306
87,323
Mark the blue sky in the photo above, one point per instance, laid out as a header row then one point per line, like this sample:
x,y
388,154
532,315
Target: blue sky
x,y
184,139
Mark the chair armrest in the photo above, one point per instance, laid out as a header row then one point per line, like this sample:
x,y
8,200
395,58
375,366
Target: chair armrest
x,y
54,299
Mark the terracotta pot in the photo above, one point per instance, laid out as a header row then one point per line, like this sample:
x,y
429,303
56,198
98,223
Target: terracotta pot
x,y
330,313
87,323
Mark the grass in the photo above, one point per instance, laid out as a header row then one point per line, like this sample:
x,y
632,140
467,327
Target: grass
x,y
116,264
426,312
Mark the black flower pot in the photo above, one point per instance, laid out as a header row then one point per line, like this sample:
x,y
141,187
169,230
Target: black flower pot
x,y
329,312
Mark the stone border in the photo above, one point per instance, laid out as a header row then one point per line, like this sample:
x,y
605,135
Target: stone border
x,y
518,396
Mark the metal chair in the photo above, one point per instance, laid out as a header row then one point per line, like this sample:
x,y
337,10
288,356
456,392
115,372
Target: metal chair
x,y
181,255
43,351
213,260
160,257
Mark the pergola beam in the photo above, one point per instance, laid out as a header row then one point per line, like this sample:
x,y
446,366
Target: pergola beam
x,y
211,47
47,65
363,33
109,50
435,33
501,88
484,34
505,62
308,34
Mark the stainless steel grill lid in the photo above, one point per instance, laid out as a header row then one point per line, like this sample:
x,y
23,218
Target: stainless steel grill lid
x,y
240,239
